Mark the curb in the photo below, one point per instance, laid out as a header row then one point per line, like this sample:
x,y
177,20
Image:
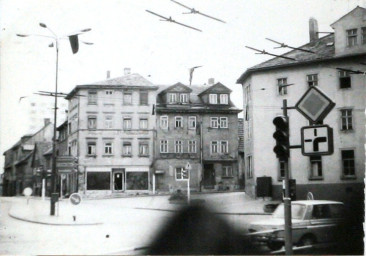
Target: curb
x,y
221,213
53,224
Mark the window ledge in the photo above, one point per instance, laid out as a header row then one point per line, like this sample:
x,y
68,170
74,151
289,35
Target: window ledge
x,y
316,178
91,156
349,177
227,177
143,155
107,155
347,131
126,155
91,103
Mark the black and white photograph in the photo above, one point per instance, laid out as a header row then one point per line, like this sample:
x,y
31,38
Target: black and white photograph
x,y
182,127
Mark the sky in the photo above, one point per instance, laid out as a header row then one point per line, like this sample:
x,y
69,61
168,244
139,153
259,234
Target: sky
x,y
124,35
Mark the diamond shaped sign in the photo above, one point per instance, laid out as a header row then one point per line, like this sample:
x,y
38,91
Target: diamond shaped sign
x,y
314,105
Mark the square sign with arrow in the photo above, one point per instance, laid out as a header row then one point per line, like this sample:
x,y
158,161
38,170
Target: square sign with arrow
x,y
317,140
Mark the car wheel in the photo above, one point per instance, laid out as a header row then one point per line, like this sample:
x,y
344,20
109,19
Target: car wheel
x,y
307,240
274,246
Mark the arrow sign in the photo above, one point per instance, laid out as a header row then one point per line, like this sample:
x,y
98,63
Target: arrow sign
x,y
317,140
75,199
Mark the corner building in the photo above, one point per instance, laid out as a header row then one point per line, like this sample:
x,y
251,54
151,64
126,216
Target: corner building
x,y
196,125
111,129
339,176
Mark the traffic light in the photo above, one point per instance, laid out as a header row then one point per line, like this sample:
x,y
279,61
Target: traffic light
x,y
281,135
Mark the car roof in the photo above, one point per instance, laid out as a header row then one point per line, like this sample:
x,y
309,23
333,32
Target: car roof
x,y
314,202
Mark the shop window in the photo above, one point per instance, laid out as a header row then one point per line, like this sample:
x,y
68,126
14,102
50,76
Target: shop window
x,y
98,181
137,180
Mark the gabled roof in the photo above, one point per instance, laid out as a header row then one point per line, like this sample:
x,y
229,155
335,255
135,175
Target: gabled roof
x,y
323,48
178,87
358,8
131,80
216,87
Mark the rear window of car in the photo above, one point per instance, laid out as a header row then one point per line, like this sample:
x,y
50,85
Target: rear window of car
x,y
297,211
326,211
337,210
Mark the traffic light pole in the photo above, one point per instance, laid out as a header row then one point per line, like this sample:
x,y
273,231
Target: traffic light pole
x,y
287,200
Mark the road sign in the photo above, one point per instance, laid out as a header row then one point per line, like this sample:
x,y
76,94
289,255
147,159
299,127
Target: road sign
x,y
314,104
317,140
75,198
27,192
188,166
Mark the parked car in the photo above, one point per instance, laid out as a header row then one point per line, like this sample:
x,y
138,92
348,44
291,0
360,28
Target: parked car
x,y
313,221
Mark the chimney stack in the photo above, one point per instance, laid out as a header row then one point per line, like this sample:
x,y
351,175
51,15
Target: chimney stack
x,y
47,121
211,81
313,30
127,71
108,74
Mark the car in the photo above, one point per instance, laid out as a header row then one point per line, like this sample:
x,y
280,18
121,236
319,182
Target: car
x,y
313,221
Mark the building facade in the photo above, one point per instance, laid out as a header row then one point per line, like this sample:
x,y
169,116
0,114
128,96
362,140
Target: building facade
x,y
266,85
110,132
198,126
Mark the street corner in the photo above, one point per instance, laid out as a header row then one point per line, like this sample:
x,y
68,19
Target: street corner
x,y
37,213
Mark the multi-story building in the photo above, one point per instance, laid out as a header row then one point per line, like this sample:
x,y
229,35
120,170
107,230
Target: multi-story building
x,y
111,129
265,86
18,171
196,125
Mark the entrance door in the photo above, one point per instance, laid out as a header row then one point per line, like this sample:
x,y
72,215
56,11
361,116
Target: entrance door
x,y
209,176
118,180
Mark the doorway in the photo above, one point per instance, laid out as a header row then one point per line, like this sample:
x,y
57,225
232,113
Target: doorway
x,y
118,180
209,176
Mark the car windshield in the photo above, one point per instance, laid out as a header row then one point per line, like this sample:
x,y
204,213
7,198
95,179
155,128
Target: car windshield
x,y
297,211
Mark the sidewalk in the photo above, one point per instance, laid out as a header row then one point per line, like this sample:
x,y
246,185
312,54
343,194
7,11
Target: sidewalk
x,y
87,212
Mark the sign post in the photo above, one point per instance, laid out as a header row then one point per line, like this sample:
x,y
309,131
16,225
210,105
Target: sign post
x,y
75,199
187,170
27,192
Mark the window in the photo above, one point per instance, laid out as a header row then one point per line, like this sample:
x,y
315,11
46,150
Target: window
x,y
108,148
127,123
127,98
98,181
346,119
108,123
92,97
164,146
223,122
91,148
282,169
224,99
126,148
312,79
144,97
363,34
344,80
227,171
192,122
180,174
282,86
92,122
224,147
192,146
108,92
143,148
172,97
164,122
178,147
348,163
143,124
214,147
213,98
183,98
178,122
316,167
249,167
214,122
352,37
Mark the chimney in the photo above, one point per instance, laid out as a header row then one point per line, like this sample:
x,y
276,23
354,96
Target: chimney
x,y
108,74
127,71
313,30
46,121
211,81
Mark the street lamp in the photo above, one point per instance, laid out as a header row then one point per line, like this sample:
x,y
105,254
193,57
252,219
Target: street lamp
x,y
73,37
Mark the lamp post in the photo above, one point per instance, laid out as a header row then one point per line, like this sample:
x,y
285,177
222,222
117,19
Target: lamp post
x,y
73,37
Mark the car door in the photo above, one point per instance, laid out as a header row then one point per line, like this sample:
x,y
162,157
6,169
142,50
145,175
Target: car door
x,y
322,224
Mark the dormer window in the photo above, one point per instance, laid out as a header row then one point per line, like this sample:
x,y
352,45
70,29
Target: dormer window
x,y
224,99
352,37
172,97
213,99
183,98
108,92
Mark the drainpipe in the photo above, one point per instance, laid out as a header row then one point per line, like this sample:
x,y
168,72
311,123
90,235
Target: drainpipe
x,y
201,155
